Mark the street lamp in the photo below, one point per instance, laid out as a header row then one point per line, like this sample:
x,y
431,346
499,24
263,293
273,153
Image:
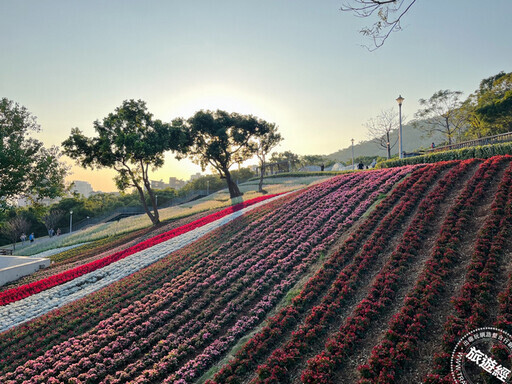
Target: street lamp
x,y
156,200
400,100
352,154
70,221
207,187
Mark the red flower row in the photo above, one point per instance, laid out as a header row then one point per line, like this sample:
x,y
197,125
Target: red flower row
x,y
34,338
24,291
211,283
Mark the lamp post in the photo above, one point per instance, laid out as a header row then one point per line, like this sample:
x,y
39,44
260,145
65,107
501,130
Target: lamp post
x,y
400,100
207,187
70,221
352,154
156,201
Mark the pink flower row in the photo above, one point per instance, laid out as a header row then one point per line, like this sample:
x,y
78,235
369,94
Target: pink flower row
x,y
278,365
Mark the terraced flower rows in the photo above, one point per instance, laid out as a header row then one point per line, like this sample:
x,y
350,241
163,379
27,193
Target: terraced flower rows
x,y
317,338
178,330
391,285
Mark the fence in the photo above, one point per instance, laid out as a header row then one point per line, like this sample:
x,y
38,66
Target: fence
x,y
503,138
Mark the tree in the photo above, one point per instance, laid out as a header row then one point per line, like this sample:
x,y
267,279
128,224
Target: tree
x,y
379,129
312,160
266,143
129,141
13,228
494,104
52,218
442,113
27,168
220,139
288,156
386,13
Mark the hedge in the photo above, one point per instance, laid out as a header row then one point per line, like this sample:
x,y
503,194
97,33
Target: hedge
x,y
480,152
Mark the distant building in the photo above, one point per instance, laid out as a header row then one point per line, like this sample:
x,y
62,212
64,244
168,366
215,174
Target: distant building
x,y
176,183
158,184
195,177
82,188
26,202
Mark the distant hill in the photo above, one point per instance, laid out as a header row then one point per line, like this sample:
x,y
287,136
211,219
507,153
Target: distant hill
x,y
413,139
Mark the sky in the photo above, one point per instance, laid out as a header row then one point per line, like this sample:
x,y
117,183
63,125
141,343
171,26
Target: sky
x,y
300,64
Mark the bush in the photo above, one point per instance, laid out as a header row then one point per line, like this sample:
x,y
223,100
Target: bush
x,y
480,152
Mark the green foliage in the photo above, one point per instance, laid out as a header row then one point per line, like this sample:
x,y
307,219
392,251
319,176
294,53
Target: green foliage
x,y
480,152
277,157
494,103
214,183
129,141
221,139
26,167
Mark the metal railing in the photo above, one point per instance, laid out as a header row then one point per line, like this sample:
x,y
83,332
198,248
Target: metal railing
x,y
502,138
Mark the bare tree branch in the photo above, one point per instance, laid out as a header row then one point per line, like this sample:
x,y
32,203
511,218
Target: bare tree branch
x,y
388,14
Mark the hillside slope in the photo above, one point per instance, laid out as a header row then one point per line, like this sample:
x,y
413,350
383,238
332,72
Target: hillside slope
x,y
357,291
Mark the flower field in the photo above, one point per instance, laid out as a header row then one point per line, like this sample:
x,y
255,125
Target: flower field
x,y
368,277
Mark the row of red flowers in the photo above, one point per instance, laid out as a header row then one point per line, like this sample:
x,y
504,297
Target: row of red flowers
x,y
24,291
187,297
405,328
257,347
320,369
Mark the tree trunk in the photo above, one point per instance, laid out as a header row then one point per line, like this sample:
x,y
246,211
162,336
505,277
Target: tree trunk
x,y
260,185
153,202
388,146
448,131
153,219
232,187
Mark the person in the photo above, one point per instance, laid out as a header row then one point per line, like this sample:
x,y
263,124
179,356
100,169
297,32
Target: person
x,y
432,146
51,232
31,237
23,238
322,167
360,166
58,231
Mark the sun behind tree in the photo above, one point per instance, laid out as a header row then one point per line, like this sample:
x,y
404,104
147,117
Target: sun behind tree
x,y
220,139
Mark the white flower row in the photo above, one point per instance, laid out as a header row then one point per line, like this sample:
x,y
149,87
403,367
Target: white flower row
x,y
41,303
